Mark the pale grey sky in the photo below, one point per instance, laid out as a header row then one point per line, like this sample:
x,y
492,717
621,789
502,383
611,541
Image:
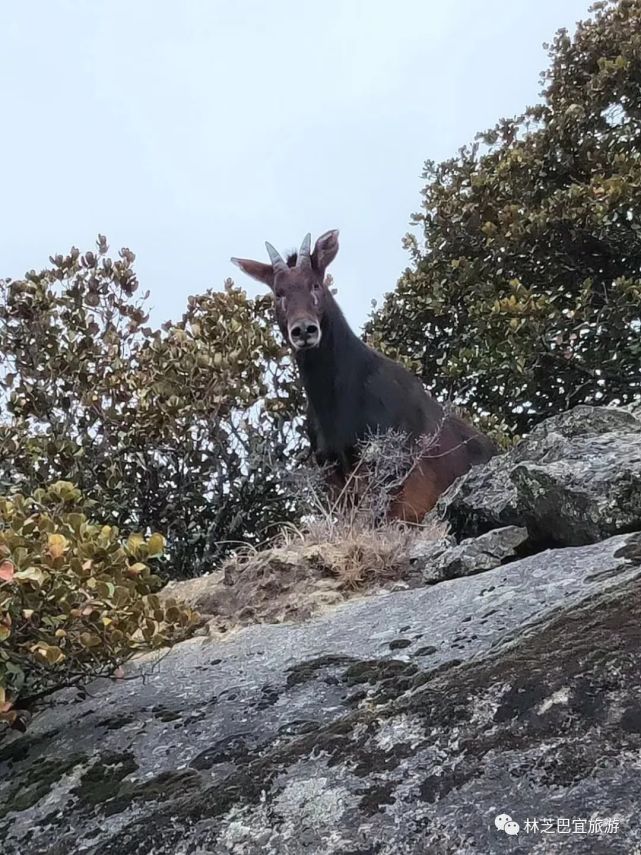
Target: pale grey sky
x,y
195,130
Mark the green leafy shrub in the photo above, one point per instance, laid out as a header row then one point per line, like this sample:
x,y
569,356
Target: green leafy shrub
x,y
523,297
186,429
76,599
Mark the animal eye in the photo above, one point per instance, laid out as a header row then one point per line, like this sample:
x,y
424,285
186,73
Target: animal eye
x,y
316,286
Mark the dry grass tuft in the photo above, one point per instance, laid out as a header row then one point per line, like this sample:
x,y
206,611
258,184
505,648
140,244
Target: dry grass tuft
x,y
301,574
342,550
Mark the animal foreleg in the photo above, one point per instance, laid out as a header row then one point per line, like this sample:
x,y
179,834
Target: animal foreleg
x,y
417,496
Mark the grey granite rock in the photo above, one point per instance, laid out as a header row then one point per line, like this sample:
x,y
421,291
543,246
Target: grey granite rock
x,y
575,479
398,723
447,559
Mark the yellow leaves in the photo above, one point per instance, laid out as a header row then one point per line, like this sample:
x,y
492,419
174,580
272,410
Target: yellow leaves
x,y
156,545
47,653
612,66
73,591
77,521
57,544
101,608
520,304
65,490
508,305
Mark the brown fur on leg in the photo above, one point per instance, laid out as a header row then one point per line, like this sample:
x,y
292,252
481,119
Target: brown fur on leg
x,y
417,496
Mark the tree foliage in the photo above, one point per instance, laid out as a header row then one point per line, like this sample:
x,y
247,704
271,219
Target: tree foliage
x,y
75,598
524,293
184,430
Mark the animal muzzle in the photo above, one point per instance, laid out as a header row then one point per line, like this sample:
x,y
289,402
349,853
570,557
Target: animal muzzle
x,y
304,333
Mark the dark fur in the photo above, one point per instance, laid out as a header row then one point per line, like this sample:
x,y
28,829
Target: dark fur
x,y
354,391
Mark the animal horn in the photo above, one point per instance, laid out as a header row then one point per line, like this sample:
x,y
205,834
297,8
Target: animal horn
x,y
275,257
304,253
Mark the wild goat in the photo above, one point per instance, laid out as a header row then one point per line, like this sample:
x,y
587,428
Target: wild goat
x,y
353,391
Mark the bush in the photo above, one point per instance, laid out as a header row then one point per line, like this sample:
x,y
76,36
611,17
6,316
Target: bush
x,y
524,294
186,429
76,599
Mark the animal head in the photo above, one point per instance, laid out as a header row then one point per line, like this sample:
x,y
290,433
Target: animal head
x,y
301,296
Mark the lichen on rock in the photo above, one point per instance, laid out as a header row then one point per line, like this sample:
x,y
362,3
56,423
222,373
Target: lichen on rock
x,y
403,721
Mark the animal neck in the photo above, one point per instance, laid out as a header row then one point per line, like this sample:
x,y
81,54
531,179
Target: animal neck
x,y
338,355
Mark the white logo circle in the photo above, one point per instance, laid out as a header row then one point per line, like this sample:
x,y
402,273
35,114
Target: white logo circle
x,y
501,820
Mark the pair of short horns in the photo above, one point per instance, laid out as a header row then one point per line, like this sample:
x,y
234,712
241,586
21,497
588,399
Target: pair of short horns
x,y
304,258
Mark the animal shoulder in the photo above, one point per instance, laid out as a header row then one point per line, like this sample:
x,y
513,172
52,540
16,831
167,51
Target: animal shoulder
x,y
394,380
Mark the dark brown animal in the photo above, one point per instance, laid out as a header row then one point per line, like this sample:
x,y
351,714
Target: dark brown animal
x,y
353,391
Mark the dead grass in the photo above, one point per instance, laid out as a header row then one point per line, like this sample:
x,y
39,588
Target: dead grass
x,y
358,556
341,551
302,574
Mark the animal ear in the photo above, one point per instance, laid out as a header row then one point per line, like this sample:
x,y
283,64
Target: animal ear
x,y
256,269
325,250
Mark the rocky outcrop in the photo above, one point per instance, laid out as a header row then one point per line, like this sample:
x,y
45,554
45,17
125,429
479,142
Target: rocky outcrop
x,y
444,558
408,721
575,479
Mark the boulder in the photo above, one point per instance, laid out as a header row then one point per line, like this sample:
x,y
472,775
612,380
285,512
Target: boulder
x,y
403,722
446,559
576,479
492,707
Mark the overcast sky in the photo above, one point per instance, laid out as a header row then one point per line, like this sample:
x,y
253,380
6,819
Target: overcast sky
x,y
193,130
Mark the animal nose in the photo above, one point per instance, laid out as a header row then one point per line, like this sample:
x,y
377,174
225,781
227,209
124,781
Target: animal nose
x,y
304,333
